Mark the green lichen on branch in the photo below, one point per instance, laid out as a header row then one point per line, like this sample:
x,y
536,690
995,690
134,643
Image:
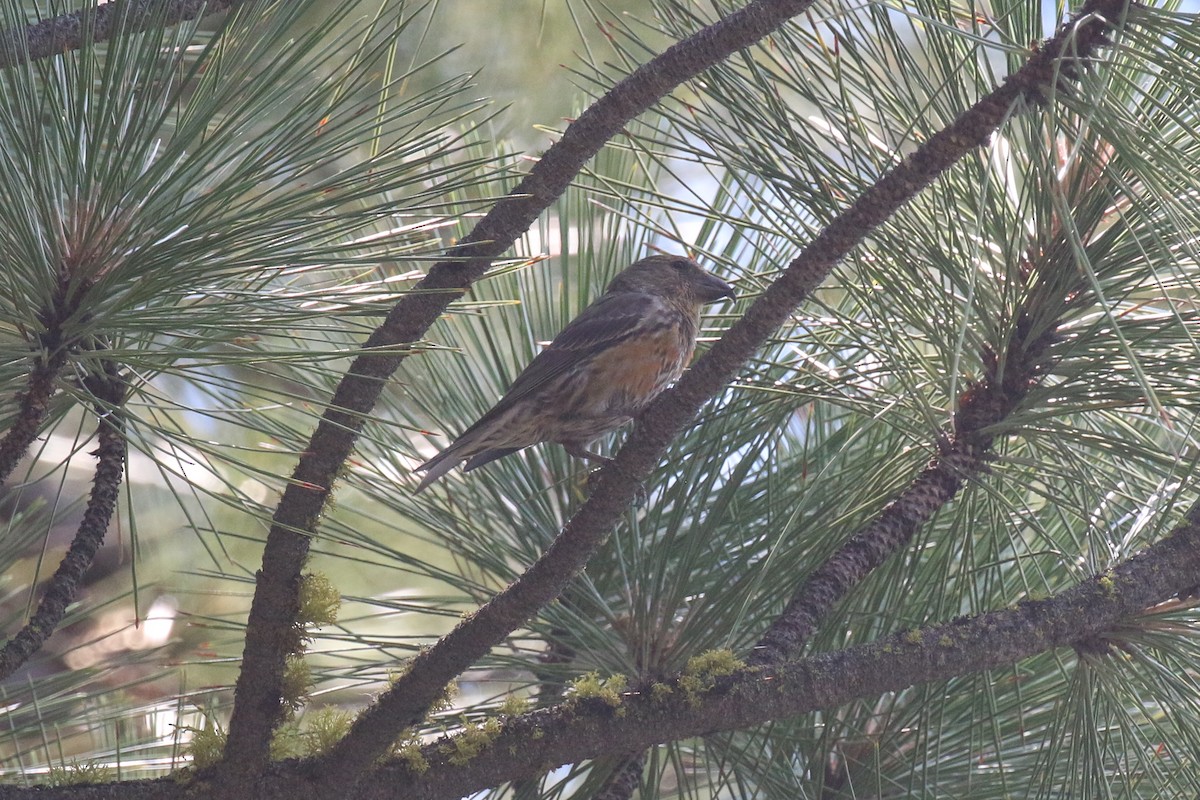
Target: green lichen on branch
x,y
514,705
297,682
76,774
702,671
324,727
287,741
659,692
319,601
207,745
313,735
408,750
470,741
592,687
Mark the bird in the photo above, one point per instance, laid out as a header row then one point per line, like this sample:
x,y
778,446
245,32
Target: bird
x,y
600,371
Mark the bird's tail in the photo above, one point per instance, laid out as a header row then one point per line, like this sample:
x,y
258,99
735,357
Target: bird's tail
x,y
446,460
438,466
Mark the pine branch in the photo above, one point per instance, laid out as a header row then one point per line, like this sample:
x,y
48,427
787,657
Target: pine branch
x,y
55,345
269,634
32,405
109,391
50,37
1077,617
963,455
411,696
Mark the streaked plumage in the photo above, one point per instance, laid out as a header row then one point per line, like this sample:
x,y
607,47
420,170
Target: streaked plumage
x,y
600,371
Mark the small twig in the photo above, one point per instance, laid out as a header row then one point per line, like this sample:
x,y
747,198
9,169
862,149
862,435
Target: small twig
x,y
109,391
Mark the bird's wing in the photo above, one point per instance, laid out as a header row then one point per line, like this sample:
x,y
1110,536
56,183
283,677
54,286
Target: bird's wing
x,y
612,319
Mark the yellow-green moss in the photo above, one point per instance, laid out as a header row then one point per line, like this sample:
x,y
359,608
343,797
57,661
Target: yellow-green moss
x,y
514,705
74,774
913,637
408,750
592,686
324,727
701,673
445,700
470,741
714,663
287,742
659,692
297,681
319,600
207,745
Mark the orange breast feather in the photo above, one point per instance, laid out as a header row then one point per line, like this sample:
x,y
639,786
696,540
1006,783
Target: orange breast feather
x,y
640,368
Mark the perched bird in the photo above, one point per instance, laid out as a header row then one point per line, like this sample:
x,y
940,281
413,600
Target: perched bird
x,y
600,371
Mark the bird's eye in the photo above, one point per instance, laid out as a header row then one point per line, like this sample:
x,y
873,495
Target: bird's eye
x,y
680,264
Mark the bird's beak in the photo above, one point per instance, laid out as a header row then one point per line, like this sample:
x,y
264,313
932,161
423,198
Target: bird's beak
x,y
713,289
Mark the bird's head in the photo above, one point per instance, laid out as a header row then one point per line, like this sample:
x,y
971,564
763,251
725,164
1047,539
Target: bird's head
x,y
674,277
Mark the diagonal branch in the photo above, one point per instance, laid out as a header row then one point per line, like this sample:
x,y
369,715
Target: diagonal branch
x,y
410,698
109,391
50,37
269,634
565,734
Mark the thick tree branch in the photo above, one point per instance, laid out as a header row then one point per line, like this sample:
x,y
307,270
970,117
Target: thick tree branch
x,y
411,696
59,34
109,391
269,634
568,734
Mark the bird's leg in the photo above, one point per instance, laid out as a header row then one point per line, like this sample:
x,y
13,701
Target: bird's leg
x,y
576,449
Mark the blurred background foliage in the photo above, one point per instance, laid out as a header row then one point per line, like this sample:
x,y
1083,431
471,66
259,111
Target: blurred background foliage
x,y
269,185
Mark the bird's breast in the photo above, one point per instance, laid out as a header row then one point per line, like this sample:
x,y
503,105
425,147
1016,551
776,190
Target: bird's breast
x,y
632,373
